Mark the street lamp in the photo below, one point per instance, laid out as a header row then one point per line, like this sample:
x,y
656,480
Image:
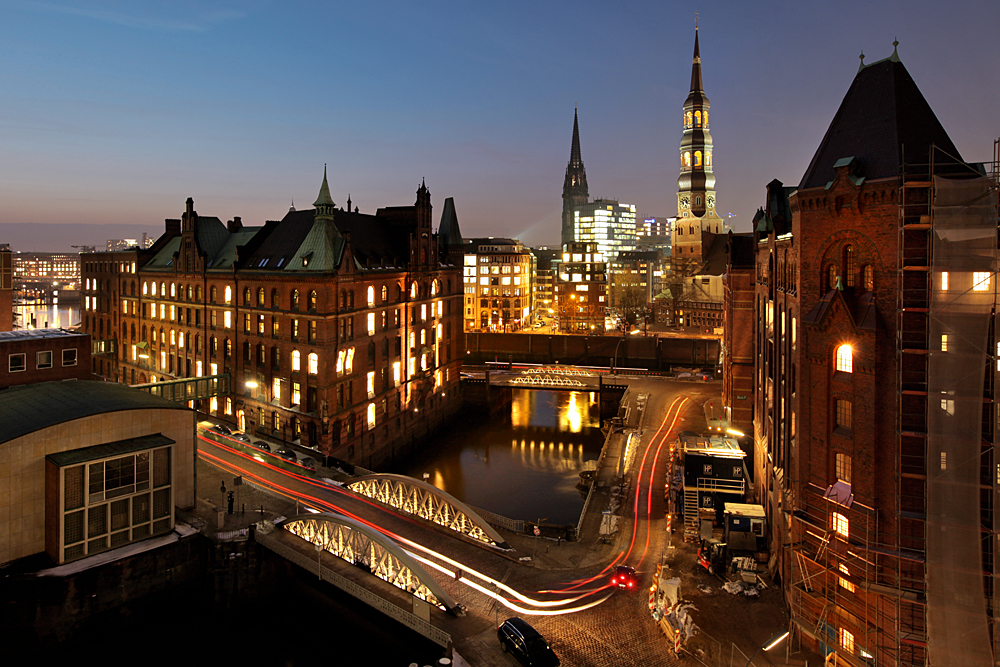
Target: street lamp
x,y
771,643
624,336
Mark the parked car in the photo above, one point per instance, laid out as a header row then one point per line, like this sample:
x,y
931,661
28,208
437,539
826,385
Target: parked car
x,y
526,644
308,462
219,428
286,454
242,437
624,577
261,445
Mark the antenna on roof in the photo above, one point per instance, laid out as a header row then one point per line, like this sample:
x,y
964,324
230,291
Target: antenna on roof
x,y
696,20
292,207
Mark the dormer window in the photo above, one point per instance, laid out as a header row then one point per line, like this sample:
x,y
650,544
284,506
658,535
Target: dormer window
x,y
306,259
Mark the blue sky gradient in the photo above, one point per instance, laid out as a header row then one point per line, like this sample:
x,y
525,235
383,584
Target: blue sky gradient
x,y
116,112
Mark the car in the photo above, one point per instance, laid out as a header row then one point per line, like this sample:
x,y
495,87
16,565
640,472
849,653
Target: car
x,y
526,644
219,428
242,437
261,445
286,454
308,462
624,577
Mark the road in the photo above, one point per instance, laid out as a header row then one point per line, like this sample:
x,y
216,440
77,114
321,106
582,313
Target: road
x,y
617,629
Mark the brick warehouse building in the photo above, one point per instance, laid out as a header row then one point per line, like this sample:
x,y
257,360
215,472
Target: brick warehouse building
x,y
338,329
874,427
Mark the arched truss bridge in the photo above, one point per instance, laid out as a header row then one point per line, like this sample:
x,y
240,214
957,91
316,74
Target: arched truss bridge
x,y
426,501
365,547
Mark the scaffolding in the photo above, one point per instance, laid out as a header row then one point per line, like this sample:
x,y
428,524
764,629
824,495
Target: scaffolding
x,y
945,335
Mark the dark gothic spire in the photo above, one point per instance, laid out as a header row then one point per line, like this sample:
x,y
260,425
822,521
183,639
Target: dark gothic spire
x,y
576,175
696,66
324,202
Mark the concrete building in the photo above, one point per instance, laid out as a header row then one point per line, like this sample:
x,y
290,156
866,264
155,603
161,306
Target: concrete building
x,y
876,374
499,284
581,289
89,467
338,329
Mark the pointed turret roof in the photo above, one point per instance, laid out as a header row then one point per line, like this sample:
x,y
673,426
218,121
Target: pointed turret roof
x,y
324,198
449,233
882,119
576,175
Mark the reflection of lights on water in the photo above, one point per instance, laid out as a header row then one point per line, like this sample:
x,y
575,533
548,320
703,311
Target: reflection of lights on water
x,y
439,480
572,416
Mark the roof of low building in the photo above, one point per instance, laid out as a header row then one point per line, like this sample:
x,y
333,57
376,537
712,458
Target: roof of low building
x,y
34,407
37,334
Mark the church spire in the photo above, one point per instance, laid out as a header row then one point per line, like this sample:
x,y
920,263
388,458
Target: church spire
x,y
324,202
575,191
696,66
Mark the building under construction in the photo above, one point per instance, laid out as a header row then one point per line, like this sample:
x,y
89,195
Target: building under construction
x,y
876,372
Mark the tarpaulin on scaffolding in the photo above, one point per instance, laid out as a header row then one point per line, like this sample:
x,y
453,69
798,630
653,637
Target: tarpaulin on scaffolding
x,y
963,294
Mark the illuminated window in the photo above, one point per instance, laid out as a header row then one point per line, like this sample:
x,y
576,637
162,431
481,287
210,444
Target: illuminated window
x,y
340,361
371,296
697,119
214,404
944,281
846,640
371,322
296,393
697,158
227,319
395,374
385,293
843,467
229,405
276,389
868,277
229,295
845,583
199,369
845,359
145,289
980,281
843,415
849,265
371,384
313,363
296,360
371,416
841,526
349,363
944,342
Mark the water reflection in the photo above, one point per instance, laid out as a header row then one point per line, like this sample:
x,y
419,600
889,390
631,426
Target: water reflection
x,y
525,468
41,316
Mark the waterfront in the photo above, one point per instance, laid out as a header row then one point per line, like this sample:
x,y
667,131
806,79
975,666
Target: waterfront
x,y
46,315
523,465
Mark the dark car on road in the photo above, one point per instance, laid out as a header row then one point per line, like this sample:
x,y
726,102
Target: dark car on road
x,y
261,445
308,462
526,644
286,454
242,437
219,428
624,577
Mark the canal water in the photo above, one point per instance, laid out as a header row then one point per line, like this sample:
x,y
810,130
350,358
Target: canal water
x,y
522,465
41,316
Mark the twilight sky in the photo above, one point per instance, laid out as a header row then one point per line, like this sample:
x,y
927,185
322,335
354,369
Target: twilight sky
x,y
116,112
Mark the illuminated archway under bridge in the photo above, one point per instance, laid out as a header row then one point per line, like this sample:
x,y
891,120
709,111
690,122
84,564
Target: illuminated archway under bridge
x,y
426,501
361,545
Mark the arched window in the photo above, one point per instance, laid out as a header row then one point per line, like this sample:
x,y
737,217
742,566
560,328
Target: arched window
x,y
399,292
688,119
697,119
145,289
434,288
385,293
844,359
275,299
868,278
697,158
313,363
708,158
704,118
173,290
295,299
214,294
296,360
686,159
371,296
312,300
246,297
831,277
229,294
260,297
163,289
414,290
850,268
371,416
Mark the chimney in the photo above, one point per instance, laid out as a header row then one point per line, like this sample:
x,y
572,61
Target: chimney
x,y
235,225
173,226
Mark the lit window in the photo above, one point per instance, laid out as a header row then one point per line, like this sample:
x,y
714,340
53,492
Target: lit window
x,y
214,404
227,319
276,389
846,640
371,296
349,364
944,342
845,359
371,416
296,360
199,369
313,363
843,467
980,281
371,384
229,298
395,373
944,281
371,322
296,393
845,583
840,525
229,405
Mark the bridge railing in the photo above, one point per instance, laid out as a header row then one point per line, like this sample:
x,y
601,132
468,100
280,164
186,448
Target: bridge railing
x,y
415,623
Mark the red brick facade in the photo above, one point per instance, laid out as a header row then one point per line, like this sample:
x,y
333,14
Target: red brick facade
x,y
43,355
